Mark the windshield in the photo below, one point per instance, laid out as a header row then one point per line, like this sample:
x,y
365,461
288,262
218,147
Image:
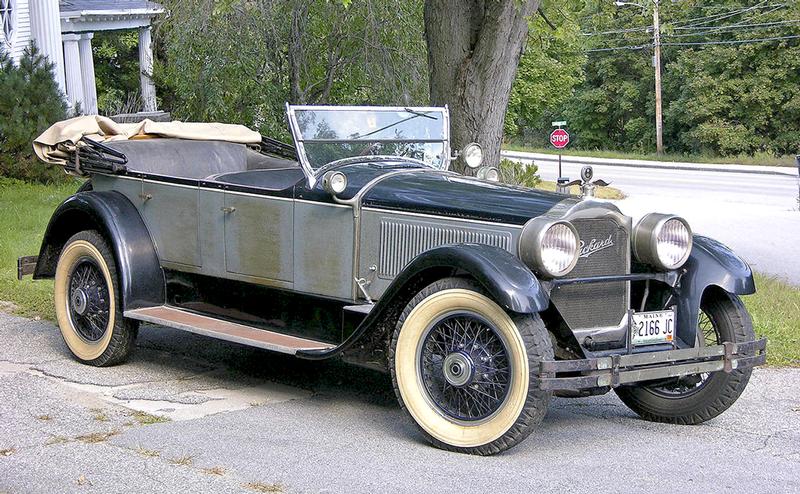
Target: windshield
x,y
327,134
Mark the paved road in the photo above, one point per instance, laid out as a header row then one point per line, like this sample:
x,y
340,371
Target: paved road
x,y
756,215
243,419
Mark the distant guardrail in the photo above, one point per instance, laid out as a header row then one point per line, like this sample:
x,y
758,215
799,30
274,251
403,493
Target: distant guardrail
x,y
663,165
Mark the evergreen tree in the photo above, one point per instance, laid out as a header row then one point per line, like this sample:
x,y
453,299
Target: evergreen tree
x,y
30,101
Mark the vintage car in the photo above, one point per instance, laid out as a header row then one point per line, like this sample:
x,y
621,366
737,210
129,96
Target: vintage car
x,y
480,299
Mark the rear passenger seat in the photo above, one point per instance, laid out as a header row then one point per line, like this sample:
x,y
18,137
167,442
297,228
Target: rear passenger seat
x,y
202,160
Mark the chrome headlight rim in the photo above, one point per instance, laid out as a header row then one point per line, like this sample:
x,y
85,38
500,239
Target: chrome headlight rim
x,y
646,243
489,173
531,244
472,155
334,182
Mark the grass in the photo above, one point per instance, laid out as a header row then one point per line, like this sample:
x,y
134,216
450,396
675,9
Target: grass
x,y
218,471
759,159
145,418
600,192
57,440
97,437
775,309
262,487
150,453
184,460
99,415
26,208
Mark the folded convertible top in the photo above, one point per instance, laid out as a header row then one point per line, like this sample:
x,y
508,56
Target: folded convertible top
x,y
56,144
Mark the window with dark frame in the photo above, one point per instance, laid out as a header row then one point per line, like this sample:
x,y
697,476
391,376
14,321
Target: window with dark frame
x,y
7,18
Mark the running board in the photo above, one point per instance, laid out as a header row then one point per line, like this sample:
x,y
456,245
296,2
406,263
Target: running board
x,y
224,330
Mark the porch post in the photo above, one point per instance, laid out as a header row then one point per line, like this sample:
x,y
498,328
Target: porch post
x,y
72,66
146,70
46,30
87,71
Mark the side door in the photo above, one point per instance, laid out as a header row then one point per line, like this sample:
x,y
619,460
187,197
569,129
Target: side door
x,y
259,237
170,212
324,249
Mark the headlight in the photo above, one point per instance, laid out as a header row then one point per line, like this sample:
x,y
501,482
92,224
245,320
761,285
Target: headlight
x,y
489,173
334,182
473,155
662,240
549,247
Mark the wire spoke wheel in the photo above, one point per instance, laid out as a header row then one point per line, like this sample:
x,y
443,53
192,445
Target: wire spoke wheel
x,y
696,398
465,367
88,300
707,335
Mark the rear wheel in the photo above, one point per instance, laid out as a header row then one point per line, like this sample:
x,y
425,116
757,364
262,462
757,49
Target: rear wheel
x,y
465,370
88,306
697,398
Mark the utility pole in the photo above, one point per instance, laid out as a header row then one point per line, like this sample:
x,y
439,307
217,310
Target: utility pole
x,y
657,65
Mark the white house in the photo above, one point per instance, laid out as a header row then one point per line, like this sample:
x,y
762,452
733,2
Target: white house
x,y
63,30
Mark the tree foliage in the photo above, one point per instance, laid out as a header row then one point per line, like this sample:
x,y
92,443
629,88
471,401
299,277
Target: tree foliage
x,y
724,99
549,70
241,60
116,67
30,101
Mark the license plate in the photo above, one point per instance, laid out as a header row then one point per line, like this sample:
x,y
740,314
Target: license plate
x,y
652,328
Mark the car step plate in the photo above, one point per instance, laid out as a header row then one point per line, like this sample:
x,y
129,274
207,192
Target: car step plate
x,y
216,328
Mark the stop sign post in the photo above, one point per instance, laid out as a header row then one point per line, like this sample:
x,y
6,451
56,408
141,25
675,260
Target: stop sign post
x,y
559,138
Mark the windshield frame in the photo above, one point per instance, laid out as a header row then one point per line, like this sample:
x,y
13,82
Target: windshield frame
x,y
313,175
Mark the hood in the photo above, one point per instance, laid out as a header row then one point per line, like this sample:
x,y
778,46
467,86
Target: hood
x,y
461,197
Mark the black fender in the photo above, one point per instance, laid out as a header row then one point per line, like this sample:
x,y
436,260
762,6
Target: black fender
x,y
710,264
504,277
141,279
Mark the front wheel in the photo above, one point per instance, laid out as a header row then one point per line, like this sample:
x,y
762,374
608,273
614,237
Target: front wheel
x,y
88,305
465,370
697,398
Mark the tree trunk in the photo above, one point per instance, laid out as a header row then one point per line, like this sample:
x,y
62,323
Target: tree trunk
x,y
474,47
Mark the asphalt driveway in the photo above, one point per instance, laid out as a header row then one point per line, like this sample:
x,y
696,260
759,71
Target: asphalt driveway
x,y
191,414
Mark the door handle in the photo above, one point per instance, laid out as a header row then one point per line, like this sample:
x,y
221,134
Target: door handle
x,y
227,209
145,197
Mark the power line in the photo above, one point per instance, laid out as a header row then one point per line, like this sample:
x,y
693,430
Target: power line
x,y
692,43
621,31
730,42
700,26
615,48
724,15
744,25
733,28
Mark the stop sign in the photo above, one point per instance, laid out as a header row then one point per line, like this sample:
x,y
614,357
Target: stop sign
x,y
559,138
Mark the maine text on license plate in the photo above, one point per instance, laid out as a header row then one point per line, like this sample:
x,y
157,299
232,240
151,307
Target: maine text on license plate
x,y
651,328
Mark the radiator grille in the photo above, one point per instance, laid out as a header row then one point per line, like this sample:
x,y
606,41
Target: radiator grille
x,y
596,304
402,241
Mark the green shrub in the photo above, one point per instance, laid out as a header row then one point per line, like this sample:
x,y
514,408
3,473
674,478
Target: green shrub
x,y
515,173
30,101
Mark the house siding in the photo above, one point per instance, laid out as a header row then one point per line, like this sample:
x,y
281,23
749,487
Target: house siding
x,y
22,32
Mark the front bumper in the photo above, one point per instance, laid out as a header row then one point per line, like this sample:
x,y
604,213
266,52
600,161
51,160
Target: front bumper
x,y
616,370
